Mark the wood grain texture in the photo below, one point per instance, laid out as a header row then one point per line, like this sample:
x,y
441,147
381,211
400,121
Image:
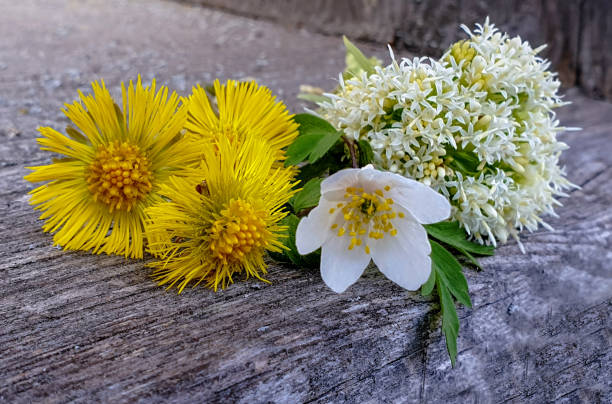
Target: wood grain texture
x,y
577,31
82,328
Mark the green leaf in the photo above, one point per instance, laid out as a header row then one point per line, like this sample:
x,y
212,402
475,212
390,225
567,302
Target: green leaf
x,y
449,282
308,196
313,124
449,273
323,146
315,98
316,137
465,162
427,288
310,171
301,148
450,321
334,160
453,235
292,222
290,254
366,155
470,257
359,61
396,115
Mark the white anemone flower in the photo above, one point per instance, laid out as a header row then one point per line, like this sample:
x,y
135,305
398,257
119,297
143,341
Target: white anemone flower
x,y
368,214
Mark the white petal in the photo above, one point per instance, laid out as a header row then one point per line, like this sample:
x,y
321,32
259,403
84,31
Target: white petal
x,y
425,204
314,229
340,180
334,187
411,234
369,177
404,259
341,267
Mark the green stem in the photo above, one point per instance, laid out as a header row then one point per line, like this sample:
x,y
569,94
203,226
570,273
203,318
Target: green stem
x,y
351,146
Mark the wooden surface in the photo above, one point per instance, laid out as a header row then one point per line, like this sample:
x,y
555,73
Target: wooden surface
x,y
83,328
578,31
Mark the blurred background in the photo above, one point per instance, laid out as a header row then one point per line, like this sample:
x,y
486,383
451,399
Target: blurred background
x,y
578,32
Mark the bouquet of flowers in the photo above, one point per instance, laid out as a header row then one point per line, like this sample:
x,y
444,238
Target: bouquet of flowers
x,y
409,166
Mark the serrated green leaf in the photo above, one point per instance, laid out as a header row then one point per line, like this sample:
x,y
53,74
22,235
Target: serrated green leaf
x,y
453,235
366,155
449,272
427,288
450,320
450,283
309,195
361,61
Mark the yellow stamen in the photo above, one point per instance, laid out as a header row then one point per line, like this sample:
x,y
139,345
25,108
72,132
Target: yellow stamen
x,y
239,230
368,214
119,176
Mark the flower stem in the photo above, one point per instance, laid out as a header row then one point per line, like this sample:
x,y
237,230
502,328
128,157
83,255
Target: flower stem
x,y
351,146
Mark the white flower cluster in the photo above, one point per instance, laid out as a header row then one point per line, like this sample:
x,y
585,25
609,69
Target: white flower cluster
x,y
477,125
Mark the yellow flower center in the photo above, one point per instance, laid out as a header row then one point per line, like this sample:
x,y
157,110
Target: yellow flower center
x,y
366,216
462,50
119,176
239,230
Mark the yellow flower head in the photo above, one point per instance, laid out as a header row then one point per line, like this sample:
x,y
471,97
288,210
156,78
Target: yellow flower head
x,y
112,163
245,110
221,218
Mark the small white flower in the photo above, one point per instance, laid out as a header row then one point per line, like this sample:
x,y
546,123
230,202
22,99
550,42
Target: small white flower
x,y
488,102
368,214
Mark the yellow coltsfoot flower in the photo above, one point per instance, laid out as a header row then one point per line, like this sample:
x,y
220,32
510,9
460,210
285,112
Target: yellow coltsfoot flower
x,y
366,214
112,163
244,110
220,219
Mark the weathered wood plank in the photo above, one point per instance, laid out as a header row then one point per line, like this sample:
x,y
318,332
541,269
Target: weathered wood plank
x,y
83,328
